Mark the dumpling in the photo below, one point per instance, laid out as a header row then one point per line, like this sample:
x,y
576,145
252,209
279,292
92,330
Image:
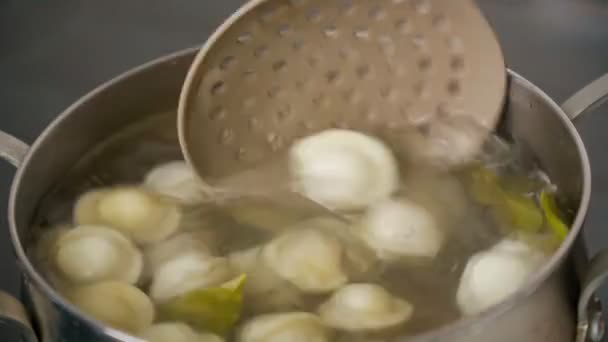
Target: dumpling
x,y
401,228
493,275
42,253
176,179
176,332
143,216
88,254
359,260
119,305
308,258
183,243
188,272
342,169
265,291
364,307
292,327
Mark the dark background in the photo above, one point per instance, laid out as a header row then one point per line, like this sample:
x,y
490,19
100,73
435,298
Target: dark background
x,y
53,52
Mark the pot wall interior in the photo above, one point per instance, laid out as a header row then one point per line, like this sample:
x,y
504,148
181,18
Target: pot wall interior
x,y
60,154
546,138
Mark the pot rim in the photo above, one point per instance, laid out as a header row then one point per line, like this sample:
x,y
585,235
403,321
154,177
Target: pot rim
x,y
548,269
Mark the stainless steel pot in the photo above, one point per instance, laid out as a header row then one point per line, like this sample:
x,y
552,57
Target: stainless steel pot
x,y
545,310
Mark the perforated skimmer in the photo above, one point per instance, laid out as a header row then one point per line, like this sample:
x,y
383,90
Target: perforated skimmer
x,y
427,76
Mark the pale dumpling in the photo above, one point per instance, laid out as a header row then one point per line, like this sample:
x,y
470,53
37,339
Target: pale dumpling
x,y
119,305
182,243
493,275
343,169
143,216
283,327
188,272
265,291
359,260
176,179
308,258
176,332
399,228
88,254
42,253
364,307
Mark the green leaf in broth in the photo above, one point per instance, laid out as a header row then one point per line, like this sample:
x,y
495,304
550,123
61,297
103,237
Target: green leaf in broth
x,y
211,309
523,212
554,221
485,186
513,206
509,199
521,184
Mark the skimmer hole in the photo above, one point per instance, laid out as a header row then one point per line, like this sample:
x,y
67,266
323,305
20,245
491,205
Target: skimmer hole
x,y
403,25
440,23
244,38
454,87
227,62
218,87
279,65
362,33
314,14
217,113
425,63
284,30
261,51
377,13
331,31
457,63
422,6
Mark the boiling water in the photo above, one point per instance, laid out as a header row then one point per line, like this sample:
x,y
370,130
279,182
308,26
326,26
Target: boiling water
x,y
429,285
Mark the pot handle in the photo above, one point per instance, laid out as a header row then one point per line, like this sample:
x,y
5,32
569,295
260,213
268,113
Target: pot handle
x,y
592,95
591,326
12,311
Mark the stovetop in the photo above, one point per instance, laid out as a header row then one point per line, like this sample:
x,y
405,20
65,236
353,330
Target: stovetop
x,y
52,52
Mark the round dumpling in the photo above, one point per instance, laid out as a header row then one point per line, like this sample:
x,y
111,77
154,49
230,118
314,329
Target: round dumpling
x,y
176,179
88,254
183,243
364,307
188,272
342,169
359,260
143,216
401,228
44,259
265,291
176,332
292,327
308,258
493,275
119,305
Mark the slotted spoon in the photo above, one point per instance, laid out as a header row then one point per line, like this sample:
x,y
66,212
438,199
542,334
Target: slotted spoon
x,y
426,76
